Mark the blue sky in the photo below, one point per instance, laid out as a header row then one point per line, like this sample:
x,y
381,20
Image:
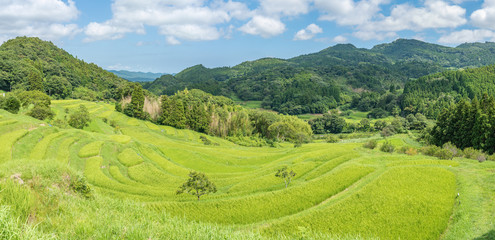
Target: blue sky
x,y
170,35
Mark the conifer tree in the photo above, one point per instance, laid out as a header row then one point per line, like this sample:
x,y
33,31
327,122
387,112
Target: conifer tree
x,y
35,81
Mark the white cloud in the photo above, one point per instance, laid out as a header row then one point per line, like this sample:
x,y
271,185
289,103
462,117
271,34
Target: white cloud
x,y
485,17
371,35
263,26
187,20
48,19
308,33
463,36
348,12
339,39
284,7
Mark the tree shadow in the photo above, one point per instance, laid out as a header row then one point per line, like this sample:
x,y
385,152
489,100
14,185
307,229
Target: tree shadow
x,y
487,236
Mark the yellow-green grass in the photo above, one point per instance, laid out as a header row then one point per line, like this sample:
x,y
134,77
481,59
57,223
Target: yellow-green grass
x,y
405,203
129,157
340,191
91,149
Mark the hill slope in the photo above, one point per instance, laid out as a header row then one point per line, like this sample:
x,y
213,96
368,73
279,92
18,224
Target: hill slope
x,y
313,83
135,169
24,55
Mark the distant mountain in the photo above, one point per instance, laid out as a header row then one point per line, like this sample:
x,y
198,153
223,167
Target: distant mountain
x,y
314,82
23,56
137,76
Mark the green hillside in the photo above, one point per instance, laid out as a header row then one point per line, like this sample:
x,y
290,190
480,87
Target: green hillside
x,y
316,82
340,191
62,74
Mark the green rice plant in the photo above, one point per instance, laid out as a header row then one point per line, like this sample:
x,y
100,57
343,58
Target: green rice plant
x,y
8,122
122,139
91,149
263,206
329,165
164,163
7,140
129,157
403,203
63,150
39,151
148,174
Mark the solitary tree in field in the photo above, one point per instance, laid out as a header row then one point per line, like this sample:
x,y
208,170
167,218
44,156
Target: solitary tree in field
x,y
197,185
286,175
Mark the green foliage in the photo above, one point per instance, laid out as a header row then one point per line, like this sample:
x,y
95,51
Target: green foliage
x,y
135,107
286,175
80,118
37,98
35,81
387,147
10,103
58,87
328,123
79,185
444,154
197,185
371,144
468,124
41,112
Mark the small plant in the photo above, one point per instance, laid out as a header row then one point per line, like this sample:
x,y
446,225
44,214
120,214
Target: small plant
x,y
286,175
371,144
451,147
429,150
205,140
78,184
105,120
387,147
197,185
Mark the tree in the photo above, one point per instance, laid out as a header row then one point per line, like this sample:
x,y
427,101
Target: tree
x,y
58,87
137,102
41,112
197,185
11,104
35,81
80,118
286,175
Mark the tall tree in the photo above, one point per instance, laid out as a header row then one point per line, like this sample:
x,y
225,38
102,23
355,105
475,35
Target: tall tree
x,y
197,185
35,81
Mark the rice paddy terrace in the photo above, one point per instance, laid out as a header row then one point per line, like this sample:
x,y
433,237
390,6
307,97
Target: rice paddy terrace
x,y
340,189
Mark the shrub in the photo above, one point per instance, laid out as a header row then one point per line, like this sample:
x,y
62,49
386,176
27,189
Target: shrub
x,y
11,104
470,153
80,118
371,144
451,147
429,150
444,154
205,140
332,139
411,151
387,147
36,98
41,112
79,185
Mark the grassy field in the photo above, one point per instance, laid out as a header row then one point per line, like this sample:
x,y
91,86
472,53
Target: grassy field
x,y
340,191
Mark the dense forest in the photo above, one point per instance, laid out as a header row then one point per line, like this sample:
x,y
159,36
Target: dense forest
x,y
430,94
25,60
335,76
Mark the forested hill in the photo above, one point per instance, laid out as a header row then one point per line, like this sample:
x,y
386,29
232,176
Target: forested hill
x,y
62,74
313,83
431,94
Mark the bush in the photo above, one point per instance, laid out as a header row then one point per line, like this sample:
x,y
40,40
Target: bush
x,y
470,153
41,112
387,147
205,140
11,104
444,154
80,118
371,144
37,98
411,151
429,150
451,147
79,185
332,139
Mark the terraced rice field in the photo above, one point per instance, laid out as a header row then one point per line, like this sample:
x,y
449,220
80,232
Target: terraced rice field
x,y
339,189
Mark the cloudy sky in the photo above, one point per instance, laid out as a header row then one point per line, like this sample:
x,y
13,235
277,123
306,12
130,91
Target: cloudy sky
x,y
170,35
